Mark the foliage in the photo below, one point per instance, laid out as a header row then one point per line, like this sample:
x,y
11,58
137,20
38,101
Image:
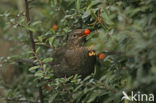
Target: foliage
x,y
124,28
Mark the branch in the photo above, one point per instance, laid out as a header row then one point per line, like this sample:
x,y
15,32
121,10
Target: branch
x,y
25,61
28,20
33,47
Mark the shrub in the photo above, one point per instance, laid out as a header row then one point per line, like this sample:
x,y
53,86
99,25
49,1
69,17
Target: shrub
x,y
123,30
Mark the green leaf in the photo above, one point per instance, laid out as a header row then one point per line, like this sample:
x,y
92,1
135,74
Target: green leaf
x,y
78,3
52,98
36,23
34,68
40,38
30,29
38,49
86,14
39,74
46,60
51,39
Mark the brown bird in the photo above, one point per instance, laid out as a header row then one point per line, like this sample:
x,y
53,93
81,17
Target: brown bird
x,y
73,57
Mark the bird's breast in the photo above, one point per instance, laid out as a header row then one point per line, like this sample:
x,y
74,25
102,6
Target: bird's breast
x,y
77,56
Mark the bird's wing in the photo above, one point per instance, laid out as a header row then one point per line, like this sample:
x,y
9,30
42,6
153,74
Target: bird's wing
x,y
75,56
57,52
57,55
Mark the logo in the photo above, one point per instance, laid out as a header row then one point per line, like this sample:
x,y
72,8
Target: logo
x,y
137,96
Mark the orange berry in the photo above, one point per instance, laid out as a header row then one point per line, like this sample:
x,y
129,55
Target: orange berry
x,y
101,56
54,27
86,32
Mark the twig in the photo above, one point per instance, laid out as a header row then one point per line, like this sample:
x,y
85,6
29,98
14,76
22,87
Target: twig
x,y
33,47
26,61
30,32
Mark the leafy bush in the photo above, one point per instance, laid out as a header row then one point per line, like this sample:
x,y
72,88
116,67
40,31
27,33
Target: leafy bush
x,y
124,30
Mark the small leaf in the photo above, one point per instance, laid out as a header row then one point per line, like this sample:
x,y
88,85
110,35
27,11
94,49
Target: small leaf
x,y
86,14
53,98
51,41
46,60
39,74
36,23
78,2
38,49
40,38
30,29
34,67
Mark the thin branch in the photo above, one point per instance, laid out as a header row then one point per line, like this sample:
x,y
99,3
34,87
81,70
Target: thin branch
x,y
33,47
28,20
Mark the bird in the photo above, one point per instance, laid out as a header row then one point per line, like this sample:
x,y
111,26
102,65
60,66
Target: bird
x,y
73,58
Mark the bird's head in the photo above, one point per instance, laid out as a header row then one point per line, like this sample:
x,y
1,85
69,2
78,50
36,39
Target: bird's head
x,y
77,38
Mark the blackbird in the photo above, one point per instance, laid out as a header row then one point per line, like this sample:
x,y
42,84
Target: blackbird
x,y
73,57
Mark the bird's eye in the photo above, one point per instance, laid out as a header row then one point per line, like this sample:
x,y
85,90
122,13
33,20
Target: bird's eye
x,y
74,35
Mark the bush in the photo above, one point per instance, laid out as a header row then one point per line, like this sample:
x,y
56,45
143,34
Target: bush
x,y
124,30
